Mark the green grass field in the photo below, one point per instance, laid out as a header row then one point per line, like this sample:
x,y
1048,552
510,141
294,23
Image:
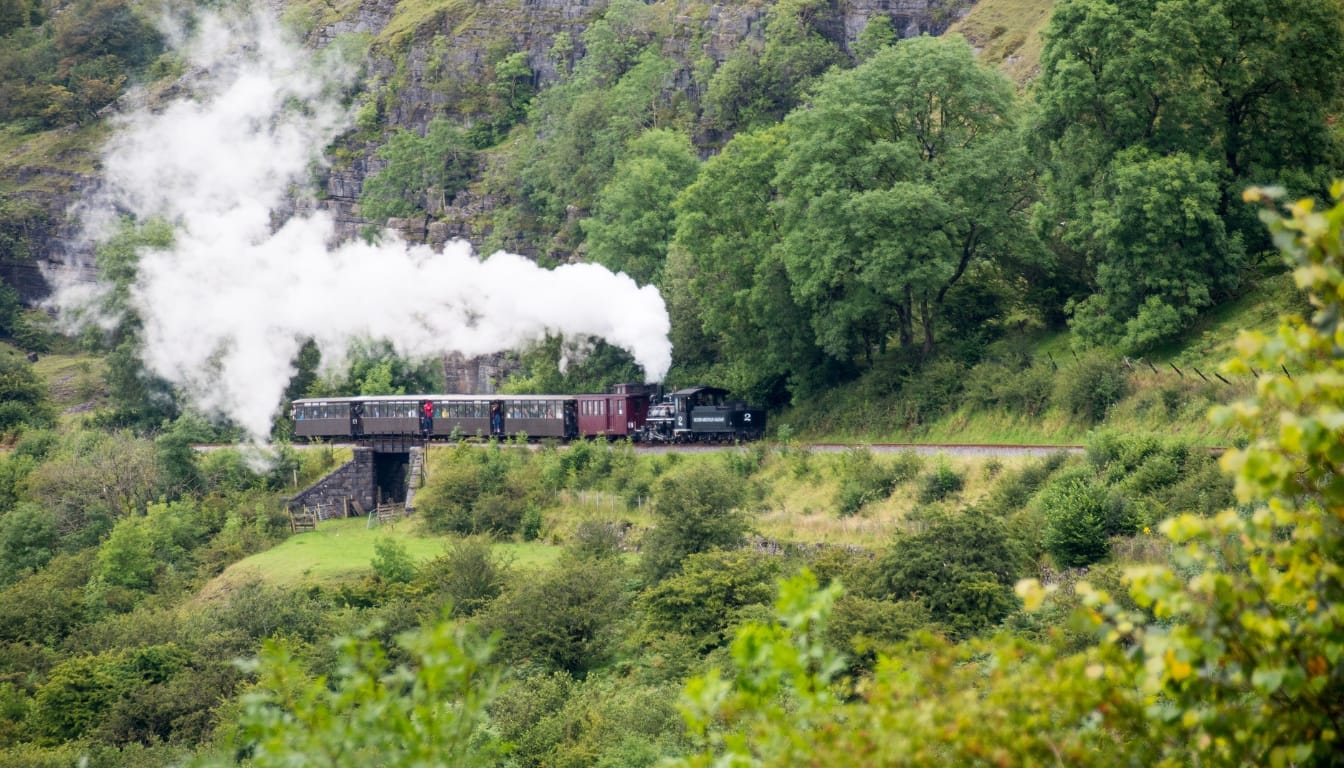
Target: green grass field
x,y
344,549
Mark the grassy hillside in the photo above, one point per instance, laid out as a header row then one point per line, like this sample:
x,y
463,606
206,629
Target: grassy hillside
x,y
1008,33
343,549
943,402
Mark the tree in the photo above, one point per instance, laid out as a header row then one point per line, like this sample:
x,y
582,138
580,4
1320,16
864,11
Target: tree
x,y
1245,654
729,294
760,82
96,480
696,508
467,575
1231,659
1183,103
28,539
24,399
139,399
1077,512
422,172
901,175
633,218
1162,251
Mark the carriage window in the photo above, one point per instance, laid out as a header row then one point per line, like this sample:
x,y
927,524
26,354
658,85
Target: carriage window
x,y
620,407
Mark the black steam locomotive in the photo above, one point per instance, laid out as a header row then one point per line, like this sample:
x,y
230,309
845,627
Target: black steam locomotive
x,y
634,411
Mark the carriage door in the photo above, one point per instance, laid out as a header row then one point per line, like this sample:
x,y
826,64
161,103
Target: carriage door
x,y
356,419
571,419
497,418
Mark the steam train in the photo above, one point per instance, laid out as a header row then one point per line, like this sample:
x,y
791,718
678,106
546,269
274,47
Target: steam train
x,y
633,411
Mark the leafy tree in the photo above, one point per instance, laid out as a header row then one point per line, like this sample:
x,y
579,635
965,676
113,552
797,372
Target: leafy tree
x,y
578,128
15,14
1227,662
45,606
24,399
375,368
633,217
728,292
1078,514
177,460
28,539
97,479
422,172
20,219
875,35
760,82
429,713
467,576
392,562
140,400
1203,94
1162,251
1242,652
557,365
696,508
901,175
76,695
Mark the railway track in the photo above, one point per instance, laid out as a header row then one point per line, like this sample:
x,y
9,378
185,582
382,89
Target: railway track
x,y
924,449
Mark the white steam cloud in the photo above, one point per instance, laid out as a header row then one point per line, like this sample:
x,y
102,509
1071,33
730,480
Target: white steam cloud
x,y
226,309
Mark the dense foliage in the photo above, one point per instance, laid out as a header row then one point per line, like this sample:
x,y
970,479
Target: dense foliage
x,y
901,218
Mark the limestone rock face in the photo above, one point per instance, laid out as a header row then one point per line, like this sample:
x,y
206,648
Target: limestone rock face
x,y
423,70
461,45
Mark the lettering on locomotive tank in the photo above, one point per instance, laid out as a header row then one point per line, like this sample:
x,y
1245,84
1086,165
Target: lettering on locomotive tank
x,y
709,420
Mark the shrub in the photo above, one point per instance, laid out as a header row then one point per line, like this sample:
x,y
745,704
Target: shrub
x,y
597,539
1081,516
862,627
1015,488
467,575
696,508
1023,389
962,568
931,391
942,482
28,539
863,480
1088,388
564,618
391,562
704,598
530,526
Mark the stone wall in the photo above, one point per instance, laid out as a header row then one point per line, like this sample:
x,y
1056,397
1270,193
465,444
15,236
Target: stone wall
x,y
355,480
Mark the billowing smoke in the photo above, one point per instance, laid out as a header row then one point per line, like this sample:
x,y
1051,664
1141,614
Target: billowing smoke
x,y
226,310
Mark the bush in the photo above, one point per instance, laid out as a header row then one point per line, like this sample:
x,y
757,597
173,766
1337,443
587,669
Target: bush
x,y
962,568
933,390
1088,388
696,508
466,575
391,562
942,482
564,618
597,539
1022,389
863,480
28,539
703,600
1081,516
